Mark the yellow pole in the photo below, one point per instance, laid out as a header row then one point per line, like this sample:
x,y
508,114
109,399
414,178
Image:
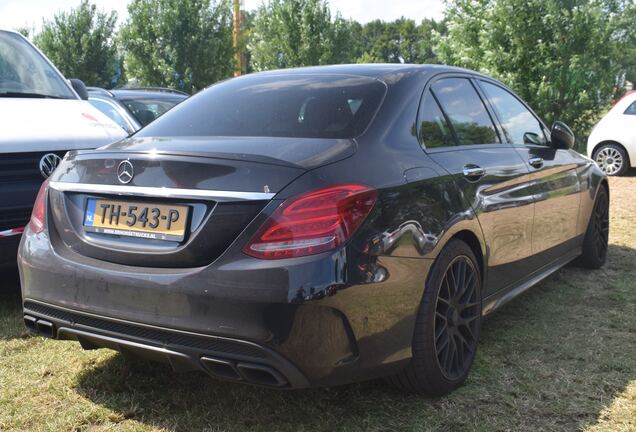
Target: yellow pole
x,y
236,32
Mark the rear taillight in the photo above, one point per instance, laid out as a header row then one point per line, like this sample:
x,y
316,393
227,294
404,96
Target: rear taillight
x,y
313,222
36,224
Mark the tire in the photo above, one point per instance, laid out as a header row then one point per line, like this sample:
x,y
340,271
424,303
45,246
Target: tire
x,y
595,243
612,159
454,325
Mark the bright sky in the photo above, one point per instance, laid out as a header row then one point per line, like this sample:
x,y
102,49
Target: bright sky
x,y
30,13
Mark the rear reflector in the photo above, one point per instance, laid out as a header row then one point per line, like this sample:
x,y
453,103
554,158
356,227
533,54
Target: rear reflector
x,y
313,222
39,209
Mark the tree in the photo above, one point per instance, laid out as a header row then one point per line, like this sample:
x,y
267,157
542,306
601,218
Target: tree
x,y
429,33
559,55
291,33
80,44
183,44
627,52
25,31
400,41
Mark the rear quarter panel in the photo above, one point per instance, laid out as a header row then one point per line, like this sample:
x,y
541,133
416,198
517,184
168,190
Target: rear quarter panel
x,y
419,209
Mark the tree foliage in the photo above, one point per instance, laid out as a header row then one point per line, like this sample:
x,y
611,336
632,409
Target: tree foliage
x,y
183,44
400,41
560,55
567,58
291,33
80,43
627,52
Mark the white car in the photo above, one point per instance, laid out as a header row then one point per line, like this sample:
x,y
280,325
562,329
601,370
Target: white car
x,y
612,143
42,117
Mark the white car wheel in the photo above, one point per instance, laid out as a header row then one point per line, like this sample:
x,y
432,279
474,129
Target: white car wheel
x,y
612,159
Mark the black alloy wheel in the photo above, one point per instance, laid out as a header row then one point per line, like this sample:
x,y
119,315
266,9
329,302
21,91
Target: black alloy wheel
x,y
447,326
456,318
601,228
595,244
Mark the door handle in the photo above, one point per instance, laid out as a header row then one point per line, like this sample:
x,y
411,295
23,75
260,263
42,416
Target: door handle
x,y
536,162
473,172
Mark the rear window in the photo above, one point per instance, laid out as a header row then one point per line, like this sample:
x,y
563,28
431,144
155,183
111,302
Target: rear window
x,y
631,110
297,106
147,110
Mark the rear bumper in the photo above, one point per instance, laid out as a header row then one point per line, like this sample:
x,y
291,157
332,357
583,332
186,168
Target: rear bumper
x,y
223,358
315,321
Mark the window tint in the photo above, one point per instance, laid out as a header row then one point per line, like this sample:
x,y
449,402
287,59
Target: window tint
x,y
519,125
147,110
434,131
309,106
466,111
631,110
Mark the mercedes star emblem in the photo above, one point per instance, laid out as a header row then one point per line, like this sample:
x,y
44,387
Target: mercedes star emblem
x,y
48,163
125,172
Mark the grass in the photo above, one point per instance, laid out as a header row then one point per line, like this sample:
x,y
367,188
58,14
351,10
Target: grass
x,y
560,357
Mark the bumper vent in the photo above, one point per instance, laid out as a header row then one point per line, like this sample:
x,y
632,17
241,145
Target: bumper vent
x,y
156,336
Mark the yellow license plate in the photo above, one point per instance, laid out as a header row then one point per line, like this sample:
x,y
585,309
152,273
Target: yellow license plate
x,y
136,219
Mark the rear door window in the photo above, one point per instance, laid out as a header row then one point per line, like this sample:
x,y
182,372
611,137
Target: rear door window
x,y
268,105
518,123
466,112
433,127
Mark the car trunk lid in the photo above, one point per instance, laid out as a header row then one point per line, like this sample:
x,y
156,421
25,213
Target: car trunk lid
x,y
223,192
305,153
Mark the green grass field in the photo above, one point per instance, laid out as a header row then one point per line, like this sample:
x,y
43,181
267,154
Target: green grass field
x,y
560,357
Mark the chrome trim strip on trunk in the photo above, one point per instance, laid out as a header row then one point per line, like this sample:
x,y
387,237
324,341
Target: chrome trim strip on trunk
x,y
161,192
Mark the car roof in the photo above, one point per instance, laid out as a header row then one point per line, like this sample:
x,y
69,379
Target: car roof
x,y
629,96
382,71
138,94
124,94
625,102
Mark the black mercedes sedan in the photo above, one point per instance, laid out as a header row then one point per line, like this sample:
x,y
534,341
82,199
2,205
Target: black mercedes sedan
x,y
313,227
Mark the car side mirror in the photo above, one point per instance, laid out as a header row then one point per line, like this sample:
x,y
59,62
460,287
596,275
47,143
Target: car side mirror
x,y
79,87
562,136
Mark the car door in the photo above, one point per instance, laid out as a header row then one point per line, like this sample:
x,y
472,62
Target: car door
x,y
553,172
490,173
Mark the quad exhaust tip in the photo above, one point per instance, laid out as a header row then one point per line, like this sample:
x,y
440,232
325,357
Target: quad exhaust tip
x,y
39,326
219,368
245,372
29,322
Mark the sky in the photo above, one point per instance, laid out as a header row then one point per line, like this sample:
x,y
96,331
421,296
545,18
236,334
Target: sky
x,y
30,13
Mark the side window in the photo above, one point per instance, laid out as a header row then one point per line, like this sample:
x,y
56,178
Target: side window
x,y
466,112
107,109
631,110
433,128
519,125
